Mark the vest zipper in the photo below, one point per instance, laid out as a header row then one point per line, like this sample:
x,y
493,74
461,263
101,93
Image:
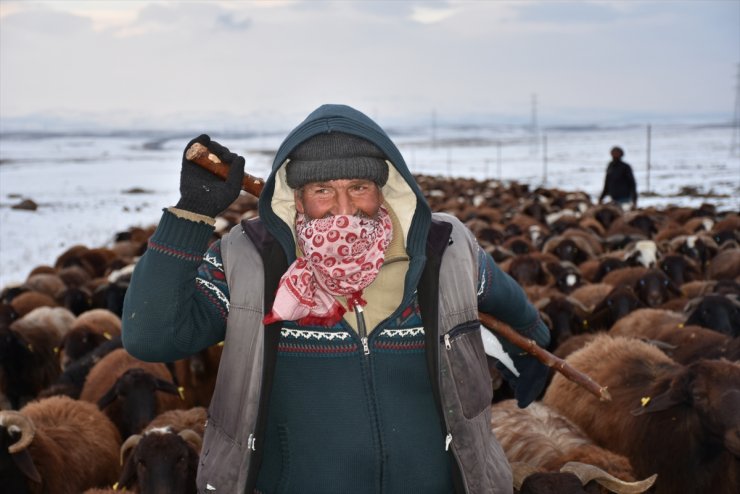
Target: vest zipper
x,y
361,328
370,388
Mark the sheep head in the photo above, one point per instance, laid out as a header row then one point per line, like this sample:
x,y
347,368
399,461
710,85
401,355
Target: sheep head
x,y
16,434
132,402
718,312
709,388
161,461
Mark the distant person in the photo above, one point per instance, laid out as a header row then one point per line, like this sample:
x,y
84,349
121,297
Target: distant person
x,y
353,359
620,182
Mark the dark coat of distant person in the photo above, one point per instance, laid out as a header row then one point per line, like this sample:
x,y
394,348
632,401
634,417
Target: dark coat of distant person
x,y
619,183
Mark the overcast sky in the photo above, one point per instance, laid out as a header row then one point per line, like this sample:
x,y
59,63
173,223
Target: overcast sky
x,y
138,61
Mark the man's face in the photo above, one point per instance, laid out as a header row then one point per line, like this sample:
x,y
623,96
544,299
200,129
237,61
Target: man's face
x,y
333,197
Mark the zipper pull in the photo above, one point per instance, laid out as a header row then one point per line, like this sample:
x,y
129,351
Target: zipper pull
x,y
448,440
250,442
447,342
361,329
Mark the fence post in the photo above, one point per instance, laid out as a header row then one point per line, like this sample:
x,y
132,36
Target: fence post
x,y
544,159
649,139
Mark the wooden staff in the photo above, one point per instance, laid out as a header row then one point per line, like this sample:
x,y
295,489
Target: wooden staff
x,y
545,357
199,154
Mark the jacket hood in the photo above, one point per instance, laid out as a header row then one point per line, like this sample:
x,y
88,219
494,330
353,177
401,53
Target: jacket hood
x,y
401,192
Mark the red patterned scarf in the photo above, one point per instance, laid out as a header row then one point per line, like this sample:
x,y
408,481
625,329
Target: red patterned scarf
x,y
342,256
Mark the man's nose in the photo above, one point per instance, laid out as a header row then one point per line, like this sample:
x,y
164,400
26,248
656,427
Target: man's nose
x,y
344,204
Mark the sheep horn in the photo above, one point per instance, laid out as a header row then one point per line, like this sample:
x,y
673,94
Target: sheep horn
x,y
521,471
692,304
578,304
28,430
191,437
130,443
587,473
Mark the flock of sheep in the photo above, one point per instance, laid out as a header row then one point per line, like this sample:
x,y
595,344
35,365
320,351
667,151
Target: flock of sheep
x,y
646,302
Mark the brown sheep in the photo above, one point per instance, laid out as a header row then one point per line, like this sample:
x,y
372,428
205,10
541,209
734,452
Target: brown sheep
x,y
72,379
57,446
28,355
701,248
643,320
592,294
541,437
594,270
718,312
653,397
89,330
615,305
655,288
160,460
178,420
570,246
29,300
49,283
566,316
679,268
538,439
683,343
196,375
165,456
129,391
96,262
725,265
625,276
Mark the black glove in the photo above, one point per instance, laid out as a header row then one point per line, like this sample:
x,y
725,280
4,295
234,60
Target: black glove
x,y
531,381
201,191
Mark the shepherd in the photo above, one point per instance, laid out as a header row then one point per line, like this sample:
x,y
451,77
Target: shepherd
x,y
619,183
352,359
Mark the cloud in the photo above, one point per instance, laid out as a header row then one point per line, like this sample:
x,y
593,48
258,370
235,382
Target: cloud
x,y
426,15
46,22
568,12
185,17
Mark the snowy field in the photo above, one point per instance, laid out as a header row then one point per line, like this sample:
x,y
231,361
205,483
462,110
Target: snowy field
x,y
88,186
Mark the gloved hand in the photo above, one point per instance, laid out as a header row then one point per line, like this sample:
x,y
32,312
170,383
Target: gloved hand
x,y
201,191
532,377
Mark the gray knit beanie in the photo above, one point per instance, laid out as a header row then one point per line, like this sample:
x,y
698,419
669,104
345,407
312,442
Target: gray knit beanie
x,y
333,156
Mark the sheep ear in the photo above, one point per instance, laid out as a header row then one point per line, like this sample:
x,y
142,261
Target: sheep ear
x,y
24,462
674,288
108,397
676,394
166,386
128,474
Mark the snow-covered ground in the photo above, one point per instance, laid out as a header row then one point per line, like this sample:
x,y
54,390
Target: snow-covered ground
x,y
89,186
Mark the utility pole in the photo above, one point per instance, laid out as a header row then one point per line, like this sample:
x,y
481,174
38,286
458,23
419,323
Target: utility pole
x,y
735,145
434,129
534,149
